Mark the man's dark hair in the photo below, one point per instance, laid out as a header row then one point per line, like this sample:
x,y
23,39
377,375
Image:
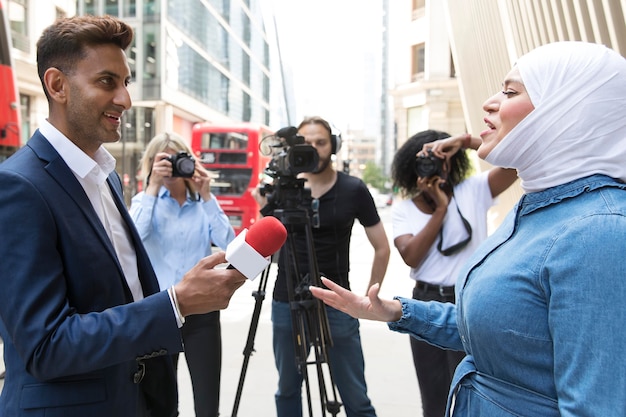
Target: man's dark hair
x,y
403,167
316,120
62,44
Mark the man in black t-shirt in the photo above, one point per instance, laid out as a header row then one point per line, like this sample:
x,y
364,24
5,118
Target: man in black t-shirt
x,y
338,199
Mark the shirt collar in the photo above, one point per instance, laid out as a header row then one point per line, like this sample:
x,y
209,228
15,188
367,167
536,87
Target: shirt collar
x,y
78,161
164,192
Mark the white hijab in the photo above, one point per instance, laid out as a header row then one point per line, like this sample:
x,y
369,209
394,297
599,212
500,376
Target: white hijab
x,y
578,126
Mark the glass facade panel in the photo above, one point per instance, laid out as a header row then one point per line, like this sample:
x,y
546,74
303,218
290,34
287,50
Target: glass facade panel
x,y
25,116
222,60
151,76
131,56
89,7
195,21
151,7
221,6
18,21
111,7
138,125
130,8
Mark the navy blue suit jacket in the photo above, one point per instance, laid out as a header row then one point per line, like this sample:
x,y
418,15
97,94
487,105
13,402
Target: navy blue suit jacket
x,y
74,340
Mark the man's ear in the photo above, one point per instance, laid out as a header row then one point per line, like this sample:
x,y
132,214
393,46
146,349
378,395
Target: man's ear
x,y
56,84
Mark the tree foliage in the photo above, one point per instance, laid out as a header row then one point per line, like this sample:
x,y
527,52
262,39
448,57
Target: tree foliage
x,y
373,176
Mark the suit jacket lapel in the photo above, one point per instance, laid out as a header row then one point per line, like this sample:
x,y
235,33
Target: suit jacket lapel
x,y
63,175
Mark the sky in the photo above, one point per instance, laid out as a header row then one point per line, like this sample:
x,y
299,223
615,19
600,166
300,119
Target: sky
x,y
330,50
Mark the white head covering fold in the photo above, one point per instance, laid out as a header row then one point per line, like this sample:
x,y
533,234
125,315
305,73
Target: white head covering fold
x,y
578,126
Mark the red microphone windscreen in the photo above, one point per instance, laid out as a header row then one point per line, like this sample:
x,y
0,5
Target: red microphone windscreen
x,y
266,236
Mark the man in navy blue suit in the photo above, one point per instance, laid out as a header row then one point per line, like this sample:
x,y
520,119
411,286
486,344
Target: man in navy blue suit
x,y
87,332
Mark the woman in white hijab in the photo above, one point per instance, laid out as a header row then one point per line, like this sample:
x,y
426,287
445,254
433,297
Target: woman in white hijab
x,y
540,304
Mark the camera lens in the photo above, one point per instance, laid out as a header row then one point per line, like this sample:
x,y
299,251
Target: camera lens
x,y
428,166
185,166
303,158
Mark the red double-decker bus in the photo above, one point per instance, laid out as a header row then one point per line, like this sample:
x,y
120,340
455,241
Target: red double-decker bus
x,y
231,151
10,139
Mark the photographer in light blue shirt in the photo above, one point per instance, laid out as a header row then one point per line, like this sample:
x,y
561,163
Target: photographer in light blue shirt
x,y
179,219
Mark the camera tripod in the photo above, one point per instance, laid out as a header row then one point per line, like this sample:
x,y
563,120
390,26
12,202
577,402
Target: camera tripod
x,y
308,315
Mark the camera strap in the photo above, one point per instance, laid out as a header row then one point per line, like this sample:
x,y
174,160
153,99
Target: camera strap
x,y
457,246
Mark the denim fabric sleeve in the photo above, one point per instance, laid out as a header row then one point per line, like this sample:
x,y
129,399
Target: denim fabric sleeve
x,y
221,231
141,208
431,321
584,278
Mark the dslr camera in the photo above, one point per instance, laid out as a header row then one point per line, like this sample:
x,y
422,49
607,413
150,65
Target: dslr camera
x,y
428,165
183,164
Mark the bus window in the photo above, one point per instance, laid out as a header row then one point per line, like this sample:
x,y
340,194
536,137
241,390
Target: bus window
x,y
229,140
231,182
231,153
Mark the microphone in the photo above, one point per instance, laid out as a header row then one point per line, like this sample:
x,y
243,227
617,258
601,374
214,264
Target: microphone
x,y
287,132
249,253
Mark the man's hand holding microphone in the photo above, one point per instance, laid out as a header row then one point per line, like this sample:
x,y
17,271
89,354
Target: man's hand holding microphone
x,y
206,288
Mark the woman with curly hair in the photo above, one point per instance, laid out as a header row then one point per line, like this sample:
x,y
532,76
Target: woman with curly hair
x,y
438,225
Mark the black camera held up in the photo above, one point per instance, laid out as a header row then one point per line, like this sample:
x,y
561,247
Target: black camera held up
x,y
183,164
428,166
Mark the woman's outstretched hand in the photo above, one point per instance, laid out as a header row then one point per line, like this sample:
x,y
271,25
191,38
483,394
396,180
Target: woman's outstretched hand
x,y
371,307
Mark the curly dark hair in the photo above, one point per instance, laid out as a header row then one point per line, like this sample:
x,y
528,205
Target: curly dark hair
x,y
403,167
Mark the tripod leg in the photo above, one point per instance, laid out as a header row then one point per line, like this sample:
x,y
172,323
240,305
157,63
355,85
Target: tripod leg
x,y
259,296
302,353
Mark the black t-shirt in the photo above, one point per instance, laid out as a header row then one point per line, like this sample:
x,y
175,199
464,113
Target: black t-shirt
x,y
347,200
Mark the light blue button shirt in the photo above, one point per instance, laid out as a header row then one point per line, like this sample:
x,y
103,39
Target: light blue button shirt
x,y
176,237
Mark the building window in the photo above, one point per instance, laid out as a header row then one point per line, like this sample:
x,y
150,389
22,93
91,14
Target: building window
x,y
25,116
60,13
130,8
150,8
417,61
419,4
416,120
452,67
111,7
417,9
18,19
90,7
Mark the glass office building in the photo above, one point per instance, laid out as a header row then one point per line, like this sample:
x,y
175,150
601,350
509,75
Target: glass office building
x,y
191,61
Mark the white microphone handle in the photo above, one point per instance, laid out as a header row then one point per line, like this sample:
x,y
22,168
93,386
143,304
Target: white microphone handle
x,y
244,258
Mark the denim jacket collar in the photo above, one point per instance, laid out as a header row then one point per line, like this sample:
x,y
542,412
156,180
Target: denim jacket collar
x,y
537,200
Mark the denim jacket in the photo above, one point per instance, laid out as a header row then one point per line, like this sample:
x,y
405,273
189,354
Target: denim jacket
x,y
540,309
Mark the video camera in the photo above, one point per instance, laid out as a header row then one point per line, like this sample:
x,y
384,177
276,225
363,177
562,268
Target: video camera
x,y
294,156
291,156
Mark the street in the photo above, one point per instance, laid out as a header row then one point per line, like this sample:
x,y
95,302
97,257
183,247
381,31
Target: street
x,y
390,375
